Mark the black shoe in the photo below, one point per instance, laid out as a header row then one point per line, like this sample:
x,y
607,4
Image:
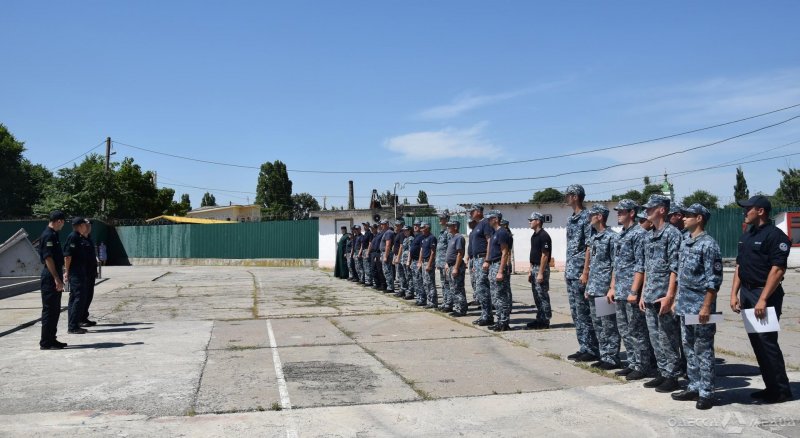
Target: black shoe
x,y
50,347
420,304
655,382
608,366
586,357
476,321
446,309
635,375
538,325
456,313
597,364
88,323
761,395
624,372
430,306
574,355
776,398
485,322
77,331
408,297
704,403
504,327
472,303
670,384
686,395
399,294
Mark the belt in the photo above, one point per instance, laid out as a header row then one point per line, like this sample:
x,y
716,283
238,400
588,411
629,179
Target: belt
x,y
480,255
751,285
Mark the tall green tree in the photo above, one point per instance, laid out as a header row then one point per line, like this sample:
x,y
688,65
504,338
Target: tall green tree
x,y
422,197
740,190
302,206
274,190
79,190
21,182
634,195
208,200
701,197
788,192
548,195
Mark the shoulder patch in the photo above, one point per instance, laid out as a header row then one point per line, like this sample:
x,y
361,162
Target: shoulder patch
x,y
717,266
784,247
49,243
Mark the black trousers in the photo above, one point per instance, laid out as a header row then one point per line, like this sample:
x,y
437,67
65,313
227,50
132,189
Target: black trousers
x,y
765,345
51,309
76,303
88,297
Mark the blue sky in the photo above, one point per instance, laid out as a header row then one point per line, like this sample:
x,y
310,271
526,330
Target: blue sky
x,y
387,86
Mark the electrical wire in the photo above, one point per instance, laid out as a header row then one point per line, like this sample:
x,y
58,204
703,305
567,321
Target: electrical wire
x,y
79,156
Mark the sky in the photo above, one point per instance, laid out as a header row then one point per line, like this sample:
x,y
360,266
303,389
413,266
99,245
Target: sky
x,y
392,87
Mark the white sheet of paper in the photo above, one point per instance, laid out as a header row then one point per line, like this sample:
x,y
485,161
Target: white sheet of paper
x,y
766,325
695,319
603,307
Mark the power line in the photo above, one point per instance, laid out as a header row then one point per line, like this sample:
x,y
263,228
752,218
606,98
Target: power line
x,y
440,169
79,156
600,169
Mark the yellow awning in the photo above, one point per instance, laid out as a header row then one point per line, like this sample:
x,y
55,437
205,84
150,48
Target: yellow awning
x,y
189,220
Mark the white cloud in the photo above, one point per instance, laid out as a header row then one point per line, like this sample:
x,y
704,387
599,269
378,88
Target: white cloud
x,y
469,101
446,143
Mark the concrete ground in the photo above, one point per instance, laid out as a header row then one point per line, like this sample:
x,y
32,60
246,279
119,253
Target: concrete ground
x,y
217,351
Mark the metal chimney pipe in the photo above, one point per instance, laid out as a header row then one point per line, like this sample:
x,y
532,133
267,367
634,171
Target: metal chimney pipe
x,y
351,202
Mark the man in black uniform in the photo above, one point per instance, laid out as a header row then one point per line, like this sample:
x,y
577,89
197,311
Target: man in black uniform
x,y
52,258
760,266
75,274
91,273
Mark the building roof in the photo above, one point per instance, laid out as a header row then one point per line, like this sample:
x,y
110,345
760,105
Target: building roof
x,y
220,207
188,220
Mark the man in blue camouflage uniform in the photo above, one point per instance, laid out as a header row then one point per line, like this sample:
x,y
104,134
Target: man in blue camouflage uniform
x,y
358,240
416,269
602,246
675,218
456,268
499,274
662,249
397,250
387,256
539,277
576,271
471,224
441,253
699,280
479,244
405,257
365,262
628,279
427,259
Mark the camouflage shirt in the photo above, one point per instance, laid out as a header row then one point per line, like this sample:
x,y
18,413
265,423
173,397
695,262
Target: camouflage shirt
x,y
406,249
441,248
628,259
601,262
579,230
700,270
661,249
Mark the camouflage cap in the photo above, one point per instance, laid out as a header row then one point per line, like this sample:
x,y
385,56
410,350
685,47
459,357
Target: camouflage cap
x,y
656,200
626,204
417,222
494,213
454,223
424,225
399,222
575,189
444,215
365,223
504,222
697,209
356,227
675,207
384,222
476,207
406,228
642,216
536,216
599,209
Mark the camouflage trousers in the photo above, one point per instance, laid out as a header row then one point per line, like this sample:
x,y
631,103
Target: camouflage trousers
x,y
388,274
447,298
482,293
458,293
500,292
429,285
698,345
359,264
419,291
665,337
368,274
607,334
400,273
581,317
541,295
472,280
633,329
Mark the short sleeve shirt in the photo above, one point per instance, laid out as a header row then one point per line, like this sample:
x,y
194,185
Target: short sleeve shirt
x,y
455,246
499,238
50,246
761,248
477,239
540,244
428,246
579,230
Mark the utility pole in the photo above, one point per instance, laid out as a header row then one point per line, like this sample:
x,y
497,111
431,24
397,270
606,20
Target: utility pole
x,y
108,165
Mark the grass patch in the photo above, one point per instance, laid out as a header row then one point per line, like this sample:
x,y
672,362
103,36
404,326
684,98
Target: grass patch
x,y
519,343
242,347
346,332
121,305
553,356
254,308
275,406
191,412
734,353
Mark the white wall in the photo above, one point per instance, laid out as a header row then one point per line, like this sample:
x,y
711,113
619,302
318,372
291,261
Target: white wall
x,y
329,236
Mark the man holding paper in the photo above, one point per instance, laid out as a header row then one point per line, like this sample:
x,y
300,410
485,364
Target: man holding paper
x,y
601,249
699,280
760,265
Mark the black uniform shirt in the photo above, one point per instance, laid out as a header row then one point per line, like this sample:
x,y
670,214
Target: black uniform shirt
x,y
761,248
540,243
91,255
50,246
427,245
398,242
388,236
477,239
500,236
415,245
75,248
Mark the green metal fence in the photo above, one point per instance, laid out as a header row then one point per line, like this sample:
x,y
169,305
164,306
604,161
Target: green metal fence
x,y
246,240
34,228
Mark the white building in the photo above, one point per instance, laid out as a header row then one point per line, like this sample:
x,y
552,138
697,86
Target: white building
x,y
789,222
